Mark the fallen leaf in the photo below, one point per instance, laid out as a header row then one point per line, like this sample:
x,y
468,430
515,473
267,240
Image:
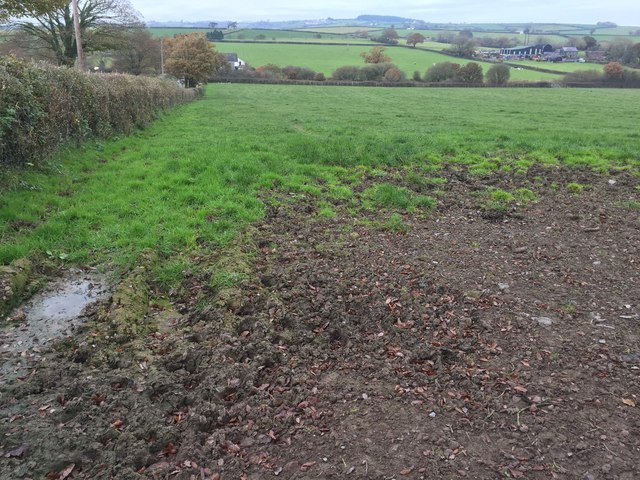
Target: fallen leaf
x,y
118,424
18,452
520,389
170,449
66,472
629,402
307,466
406,471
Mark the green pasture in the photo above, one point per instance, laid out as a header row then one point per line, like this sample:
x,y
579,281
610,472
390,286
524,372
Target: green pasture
x,y
341,30
562,67
327,58
187,184
282,35
170,32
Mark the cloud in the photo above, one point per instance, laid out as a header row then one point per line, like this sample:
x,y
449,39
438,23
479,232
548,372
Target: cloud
x,y
623,12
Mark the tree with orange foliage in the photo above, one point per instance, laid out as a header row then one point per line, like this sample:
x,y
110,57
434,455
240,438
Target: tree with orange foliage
x,y
193,58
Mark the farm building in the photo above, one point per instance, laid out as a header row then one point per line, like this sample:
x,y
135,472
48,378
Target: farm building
x,y
569,54
234,61
564,54
526,50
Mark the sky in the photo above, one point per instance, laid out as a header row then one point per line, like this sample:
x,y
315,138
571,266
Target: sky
x,y
622,12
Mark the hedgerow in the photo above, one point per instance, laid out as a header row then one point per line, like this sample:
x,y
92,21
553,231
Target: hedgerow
x,y
43,107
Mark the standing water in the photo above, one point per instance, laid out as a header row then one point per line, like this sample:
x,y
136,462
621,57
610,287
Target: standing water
x,y
50,314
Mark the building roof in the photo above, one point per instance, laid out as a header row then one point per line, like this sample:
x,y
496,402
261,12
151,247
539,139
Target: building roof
x,y
569,49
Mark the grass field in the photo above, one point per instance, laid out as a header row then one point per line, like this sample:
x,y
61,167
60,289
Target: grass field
x,y
170,32
341,30
193,177
327,58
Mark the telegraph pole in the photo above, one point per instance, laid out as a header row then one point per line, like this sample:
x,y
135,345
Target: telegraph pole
x,y
76,28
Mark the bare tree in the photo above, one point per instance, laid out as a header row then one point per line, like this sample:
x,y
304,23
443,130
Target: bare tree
x,y
102,23
140,55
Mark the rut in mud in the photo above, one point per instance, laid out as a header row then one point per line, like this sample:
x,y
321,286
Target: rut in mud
x,y
480,343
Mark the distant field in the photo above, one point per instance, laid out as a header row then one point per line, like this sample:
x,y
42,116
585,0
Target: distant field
x,y
251,34
327,58
341,30
170,32
559,67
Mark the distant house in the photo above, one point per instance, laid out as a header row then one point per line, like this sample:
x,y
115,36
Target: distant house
x,y
564,54
234,61
569,54
524,51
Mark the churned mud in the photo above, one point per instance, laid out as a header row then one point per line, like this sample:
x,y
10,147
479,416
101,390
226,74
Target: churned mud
x,y
52,313
473,342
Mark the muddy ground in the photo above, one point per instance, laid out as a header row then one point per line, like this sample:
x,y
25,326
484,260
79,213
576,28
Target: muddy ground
x,y
474,343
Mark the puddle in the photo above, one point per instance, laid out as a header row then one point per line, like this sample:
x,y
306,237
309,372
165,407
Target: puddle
x,y
50,314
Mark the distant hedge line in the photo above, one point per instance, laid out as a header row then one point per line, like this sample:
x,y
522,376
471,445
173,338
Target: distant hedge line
x,y
43,107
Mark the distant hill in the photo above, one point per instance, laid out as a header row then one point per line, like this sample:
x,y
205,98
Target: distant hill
x,y
384,19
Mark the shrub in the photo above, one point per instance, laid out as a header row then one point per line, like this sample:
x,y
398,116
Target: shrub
x,y
583,76
270,71
347,72
298,73
471,74
394,75
498,74
442,72
416,76
43,107
320,77
373,72
613,71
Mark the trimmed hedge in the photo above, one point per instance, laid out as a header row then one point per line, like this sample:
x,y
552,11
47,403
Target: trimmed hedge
x,y
43,107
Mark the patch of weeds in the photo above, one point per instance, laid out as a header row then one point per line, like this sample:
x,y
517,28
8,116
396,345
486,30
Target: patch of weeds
x,y
425,202
385,195
632,205
525,196
340,192
168,275
436,181
395,223
497,204
576,188
222,279
326,211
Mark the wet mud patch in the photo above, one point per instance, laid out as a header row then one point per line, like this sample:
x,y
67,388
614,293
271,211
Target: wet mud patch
x,y
50,314
465,346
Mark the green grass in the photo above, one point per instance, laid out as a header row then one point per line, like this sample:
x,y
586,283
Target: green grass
x,y
191,181
327,58
170,32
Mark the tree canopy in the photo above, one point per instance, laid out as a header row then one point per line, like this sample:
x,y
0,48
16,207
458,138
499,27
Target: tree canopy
x,y
415,38
193,58
103,24
376,55
13,8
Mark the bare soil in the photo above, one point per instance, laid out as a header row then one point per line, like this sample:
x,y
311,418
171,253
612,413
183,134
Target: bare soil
x,y
480,343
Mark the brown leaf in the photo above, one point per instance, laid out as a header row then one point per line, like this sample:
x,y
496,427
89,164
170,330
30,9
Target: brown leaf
x,y
170,449
629,402
118,424
66,472
406,471
520,389
307,466
18,452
